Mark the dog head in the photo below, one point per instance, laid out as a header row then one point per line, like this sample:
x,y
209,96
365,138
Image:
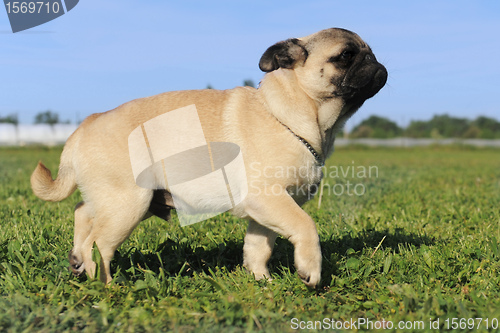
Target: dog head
x,y
330,64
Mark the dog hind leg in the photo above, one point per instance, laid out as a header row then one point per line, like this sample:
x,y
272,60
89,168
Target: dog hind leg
x,y
83,226
111,226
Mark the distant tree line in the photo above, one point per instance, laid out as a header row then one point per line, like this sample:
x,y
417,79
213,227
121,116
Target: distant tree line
x,y
440,126
44,117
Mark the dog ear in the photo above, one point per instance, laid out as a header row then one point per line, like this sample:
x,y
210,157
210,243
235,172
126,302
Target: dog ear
x,y
283,54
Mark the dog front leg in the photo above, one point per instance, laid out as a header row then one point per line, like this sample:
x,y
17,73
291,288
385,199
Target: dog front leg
x,y
281,214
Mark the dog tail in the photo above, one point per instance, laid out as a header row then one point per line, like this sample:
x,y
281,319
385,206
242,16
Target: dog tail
x,y
58,189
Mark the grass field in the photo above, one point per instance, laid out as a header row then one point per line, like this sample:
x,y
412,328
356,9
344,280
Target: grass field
x,y
420,244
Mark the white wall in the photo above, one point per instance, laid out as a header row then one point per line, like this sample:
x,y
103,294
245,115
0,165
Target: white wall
x,y
11,135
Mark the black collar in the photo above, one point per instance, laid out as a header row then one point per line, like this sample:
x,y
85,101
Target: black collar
x,y
317,156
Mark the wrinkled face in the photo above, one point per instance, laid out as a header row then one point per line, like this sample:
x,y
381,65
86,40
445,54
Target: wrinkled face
x,y
332,63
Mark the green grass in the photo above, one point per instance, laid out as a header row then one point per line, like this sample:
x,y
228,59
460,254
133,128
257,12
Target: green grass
x,y
421,244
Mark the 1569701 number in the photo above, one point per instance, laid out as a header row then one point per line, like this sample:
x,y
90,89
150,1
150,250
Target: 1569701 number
x,y
32,7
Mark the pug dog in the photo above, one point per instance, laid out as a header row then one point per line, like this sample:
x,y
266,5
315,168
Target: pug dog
x,y
311,87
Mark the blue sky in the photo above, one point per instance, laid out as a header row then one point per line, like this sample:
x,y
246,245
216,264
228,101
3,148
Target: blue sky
x,y
442,56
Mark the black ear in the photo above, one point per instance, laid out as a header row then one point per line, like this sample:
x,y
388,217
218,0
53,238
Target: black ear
x,y
282,55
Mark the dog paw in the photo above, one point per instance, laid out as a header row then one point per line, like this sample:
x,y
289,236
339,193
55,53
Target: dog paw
x,y
76,265
310,279
262,276
308,264
260,272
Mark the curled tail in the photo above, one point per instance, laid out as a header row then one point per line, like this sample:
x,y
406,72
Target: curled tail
x,y
49,189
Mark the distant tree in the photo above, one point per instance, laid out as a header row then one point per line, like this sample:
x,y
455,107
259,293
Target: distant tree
x,y
209,86
418,129
450,127
439,126
10,119
489,127
435,134
249,83
473,132
376,127
47,117
362,131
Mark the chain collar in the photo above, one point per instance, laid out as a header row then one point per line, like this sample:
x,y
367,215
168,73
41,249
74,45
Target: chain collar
x,y
317,156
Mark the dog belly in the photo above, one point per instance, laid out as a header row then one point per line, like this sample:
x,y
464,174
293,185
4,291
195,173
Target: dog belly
x,y
161,204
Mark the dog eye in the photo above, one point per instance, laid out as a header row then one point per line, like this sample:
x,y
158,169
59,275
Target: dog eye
x,y
346,55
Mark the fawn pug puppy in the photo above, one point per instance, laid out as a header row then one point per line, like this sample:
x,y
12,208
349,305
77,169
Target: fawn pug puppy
x,y
311,87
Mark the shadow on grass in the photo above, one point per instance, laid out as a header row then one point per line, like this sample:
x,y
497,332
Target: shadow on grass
x,y
349,246
371,239
181,258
